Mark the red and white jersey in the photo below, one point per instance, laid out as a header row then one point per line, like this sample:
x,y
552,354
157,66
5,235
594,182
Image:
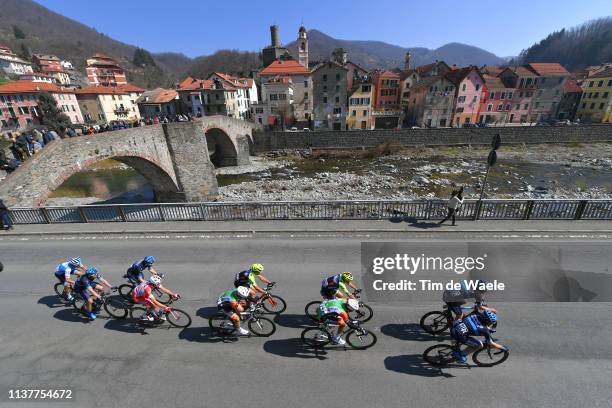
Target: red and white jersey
x,y
142,291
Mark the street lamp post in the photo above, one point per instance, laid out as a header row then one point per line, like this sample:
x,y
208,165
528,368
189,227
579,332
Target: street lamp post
x,y
491,160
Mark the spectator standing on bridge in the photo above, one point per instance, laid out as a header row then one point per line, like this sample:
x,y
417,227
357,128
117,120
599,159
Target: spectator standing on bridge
x,y
455,201
7,224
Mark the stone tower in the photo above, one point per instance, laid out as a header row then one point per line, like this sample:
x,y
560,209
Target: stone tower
x,y
303,46
408,61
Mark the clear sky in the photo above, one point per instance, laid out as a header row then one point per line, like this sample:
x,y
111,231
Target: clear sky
x,y
200,27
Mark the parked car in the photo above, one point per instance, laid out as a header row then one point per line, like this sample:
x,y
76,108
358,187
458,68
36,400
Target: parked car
x,y
306,130
293,129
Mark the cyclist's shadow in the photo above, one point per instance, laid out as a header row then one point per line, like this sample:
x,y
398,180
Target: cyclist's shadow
x,y
205,335
52,302
410,332
294,348
414,364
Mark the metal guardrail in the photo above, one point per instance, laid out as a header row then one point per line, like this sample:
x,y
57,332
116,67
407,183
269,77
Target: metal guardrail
x,y
318,210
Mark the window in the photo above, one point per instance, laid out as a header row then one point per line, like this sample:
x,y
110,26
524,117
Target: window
x,y
306,83
522,83
273,97
461,99
354,113
500,107
543,81
364,113
325,99
305,95
601,105
337,77
520,94
324,88
477,87
508,107
583,105
526,106
605,95
475,98
537,105
324,77
365,88
590,94
492,95
503,95
596,95
282,97
593,106
591,84
464,87
518,106
489,108
337,88
600,83
337,99
337,111
509,95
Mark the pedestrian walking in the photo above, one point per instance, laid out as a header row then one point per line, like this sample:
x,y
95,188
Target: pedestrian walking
x,y
7,224
454,202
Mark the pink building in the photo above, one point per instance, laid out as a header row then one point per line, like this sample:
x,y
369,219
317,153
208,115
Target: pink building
x,y
19,104
496,101
525,83
469,83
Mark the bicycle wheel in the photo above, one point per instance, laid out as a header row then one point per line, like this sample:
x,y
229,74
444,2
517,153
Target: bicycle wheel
x,y
162,297
221,324
59,289
279,306
262,326
116,308
311,309
434,322
125,291
316,337
362,315
137,313
489,358
439,355
361,340
178,318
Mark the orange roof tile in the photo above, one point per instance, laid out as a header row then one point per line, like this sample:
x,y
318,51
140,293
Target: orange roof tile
x,y
571,86
23,86
288,67
158,95
100,90
130,88
548,68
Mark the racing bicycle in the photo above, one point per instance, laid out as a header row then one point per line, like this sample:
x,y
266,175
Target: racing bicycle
x,y
436,322
175,317
357,337
441,355
114,307
259,325
272,303
125,290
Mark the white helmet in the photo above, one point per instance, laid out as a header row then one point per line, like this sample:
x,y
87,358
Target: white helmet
x,y
353,304
155,280
243,291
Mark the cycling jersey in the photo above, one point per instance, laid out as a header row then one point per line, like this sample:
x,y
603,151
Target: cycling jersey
x,y
461,295
65,269
82,285
463,330
135,271
245,278
331,285
142,293
229,296
336,307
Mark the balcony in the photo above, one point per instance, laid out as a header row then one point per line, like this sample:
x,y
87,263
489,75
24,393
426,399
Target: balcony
x,y
121,111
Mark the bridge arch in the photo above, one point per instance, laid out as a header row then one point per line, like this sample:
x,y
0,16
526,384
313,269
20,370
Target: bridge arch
x,y
221,148
164,186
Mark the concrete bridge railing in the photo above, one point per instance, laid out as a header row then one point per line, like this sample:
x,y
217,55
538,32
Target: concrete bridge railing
x,y
489,209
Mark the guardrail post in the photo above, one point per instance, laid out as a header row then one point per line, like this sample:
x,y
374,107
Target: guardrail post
x,y
428,211
580,209
477,208
528,209
82,215
45,215
161,212
122,213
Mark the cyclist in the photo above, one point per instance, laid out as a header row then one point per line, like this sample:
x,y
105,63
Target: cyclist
x,y
247,278
135,272
336,311
454,299
64,272
231,303
89,289
333,286
142,295
473,325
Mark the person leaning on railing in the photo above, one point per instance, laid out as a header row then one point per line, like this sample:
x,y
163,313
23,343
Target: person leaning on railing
x,y
454,203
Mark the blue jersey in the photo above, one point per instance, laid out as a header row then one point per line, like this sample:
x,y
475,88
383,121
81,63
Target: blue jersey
x,y
333,282
83,283
469,326
65,269
138,267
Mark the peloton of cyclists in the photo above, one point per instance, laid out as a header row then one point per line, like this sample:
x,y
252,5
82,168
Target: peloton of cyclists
x,y
233,302
63,273
87,287
142,295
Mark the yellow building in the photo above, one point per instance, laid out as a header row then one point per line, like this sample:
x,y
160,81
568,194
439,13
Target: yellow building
x,y
360,107
596,103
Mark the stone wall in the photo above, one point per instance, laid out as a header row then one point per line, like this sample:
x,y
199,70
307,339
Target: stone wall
x,y
267,141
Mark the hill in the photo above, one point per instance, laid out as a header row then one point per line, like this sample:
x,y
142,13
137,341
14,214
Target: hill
x,y
575,48
378,54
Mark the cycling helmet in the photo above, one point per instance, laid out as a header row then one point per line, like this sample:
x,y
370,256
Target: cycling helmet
x,y
346,276
353,304
243,291
155,280
257,268
489,317
148,260
92,273
75,262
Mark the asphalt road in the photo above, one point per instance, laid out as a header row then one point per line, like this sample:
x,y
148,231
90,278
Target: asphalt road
x,y
561,352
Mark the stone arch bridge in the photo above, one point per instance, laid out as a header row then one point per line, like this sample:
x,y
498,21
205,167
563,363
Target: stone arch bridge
x,y
178,159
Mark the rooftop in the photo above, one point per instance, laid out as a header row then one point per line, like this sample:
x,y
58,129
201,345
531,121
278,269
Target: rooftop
x,y
25,86
287,67
606,73
548,68
158,95
571,86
